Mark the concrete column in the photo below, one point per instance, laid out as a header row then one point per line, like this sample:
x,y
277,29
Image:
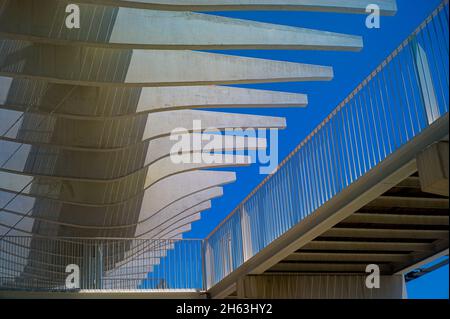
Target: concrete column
x,y
319,287
432,164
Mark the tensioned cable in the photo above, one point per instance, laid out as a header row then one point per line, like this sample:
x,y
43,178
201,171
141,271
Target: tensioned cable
x,y
33,178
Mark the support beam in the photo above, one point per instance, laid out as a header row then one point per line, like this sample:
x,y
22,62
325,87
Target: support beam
x,y
109,134
388,7
377,233
110,164
177,210
409,202
394,219
423,262
33,95
319,287
367,257
411,182
105,26
433,166
323,267
151,68
422,272
92,193
367,246
154,201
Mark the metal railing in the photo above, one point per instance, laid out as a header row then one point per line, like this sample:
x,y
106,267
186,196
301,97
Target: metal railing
x,y
404,95
62,264
400,99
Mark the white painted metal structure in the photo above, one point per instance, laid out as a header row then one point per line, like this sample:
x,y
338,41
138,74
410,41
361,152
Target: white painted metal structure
x,y
85,113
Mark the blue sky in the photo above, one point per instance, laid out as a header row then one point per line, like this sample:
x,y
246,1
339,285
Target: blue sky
x,y
350,69
432,285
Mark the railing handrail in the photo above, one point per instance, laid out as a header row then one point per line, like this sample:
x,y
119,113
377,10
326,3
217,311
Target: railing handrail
x,y
40,264
34,236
